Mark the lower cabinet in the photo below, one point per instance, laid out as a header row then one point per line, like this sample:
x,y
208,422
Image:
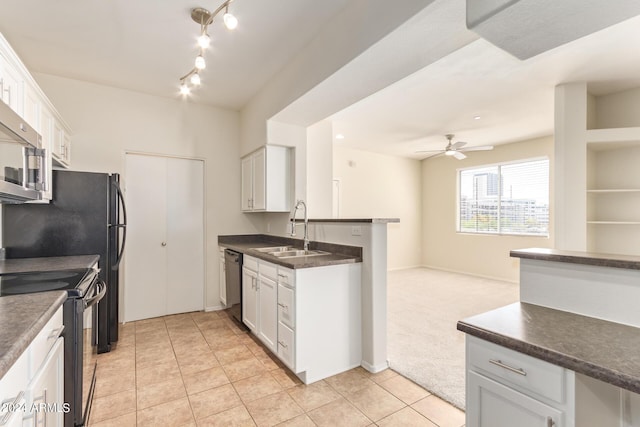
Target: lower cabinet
x,y
250,299
499,406
508,388
32,391
310,317
45,393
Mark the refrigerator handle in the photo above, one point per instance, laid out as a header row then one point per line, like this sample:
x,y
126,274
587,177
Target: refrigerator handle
x,y
116,185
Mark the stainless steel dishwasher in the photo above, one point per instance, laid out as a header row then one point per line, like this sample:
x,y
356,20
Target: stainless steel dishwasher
x,y
233,277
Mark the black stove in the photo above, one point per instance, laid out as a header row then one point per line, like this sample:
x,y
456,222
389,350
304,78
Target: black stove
x,y
73,281
84,290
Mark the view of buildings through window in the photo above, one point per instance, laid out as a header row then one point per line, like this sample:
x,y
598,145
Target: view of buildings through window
x,y
511,198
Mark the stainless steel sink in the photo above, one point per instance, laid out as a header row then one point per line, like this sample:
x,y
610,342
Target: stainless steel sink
x,y
297,253
275,249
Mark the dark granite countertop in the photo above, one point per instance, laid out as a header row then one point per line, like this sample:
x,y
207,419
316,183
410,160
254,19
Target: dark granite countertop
x,y
246,244
586,258
24,265
22,317
367,220
600,349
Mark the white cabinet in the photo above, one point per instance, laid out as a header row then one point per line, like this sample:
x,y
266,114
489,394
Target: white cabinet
x,y
268,313
310,318
32,390
222,278
45,393
266,180
11,86
13,387
499,406
504,385
250,298
259,300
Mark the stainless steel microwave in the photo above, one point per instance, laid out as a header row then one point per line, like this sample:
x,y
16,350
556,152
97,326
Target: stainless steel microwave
x,y
22,159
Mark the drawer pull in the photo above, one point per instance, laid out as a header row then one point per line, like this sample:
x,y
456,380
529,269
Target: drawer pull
x,y
518,371
13,404
282,344
550,422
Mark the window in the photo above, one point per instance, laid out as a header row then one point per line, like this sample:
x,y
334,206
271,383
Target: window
x,y
510,198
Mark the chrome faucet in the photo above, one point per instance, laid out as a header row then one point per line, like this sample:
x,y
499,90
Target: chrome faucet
x,y
306,223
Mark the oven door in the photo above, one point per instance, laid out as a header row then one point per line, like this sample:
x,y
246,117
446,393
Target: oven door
x,y
89,347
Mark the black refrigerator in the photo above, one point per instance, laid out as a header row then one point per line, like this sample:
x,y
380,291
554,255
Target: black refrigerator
x,y
87,216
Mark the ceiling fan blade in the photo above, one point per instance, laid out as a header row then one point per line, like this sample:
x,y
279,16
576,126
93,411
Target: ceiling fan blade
x,y
458,145
458,155
479,148
429,151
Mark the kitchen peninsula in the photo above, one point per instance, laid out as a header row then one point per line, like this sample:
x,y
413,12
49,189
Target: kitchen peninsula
x,y
304,305
567,353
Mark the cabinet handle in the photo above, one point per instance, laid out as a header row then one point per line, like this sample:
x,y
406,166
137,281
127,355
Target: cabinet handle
x,y
283,344
550,422
499,363
14,404
283,305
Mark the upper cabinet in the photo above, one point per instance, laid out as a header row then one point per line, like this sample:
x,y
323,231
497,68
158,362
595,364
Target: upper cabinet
x,y
20,91
266,180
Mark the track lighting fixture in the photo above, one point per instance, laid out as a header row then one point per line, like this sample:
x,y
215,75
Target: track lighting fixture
x,y
205,18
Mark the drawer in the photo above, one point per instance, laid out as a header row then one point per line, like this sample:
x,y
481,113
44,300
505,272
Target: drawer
x,y
286,276
514,368
286,345
286,308
15,381
250,262
45,339
268,270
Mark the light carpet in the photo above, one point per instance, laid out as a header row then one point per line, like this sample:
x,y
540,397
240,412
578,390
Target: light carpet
x,y
423,308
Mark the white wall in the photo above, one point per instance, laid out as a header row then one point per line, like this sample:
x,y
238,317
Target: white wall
x,y
107,122
481,255
617,110
378,186
320,169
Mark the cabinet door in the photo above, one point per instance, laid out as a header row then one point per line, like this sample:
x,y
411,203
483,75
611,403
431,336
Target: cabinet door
x,y
250,299
247,183
268,323
286,346
45,396
10,86
286,307
491,404
259,180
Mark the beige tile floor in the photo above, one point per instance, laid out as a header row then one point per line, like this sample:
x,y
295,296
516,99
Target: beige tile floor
x,y
202,369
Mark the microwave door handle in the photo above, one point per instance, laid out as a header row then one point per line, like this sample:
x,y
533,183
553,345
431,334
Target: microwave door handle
x,y
123,226
102,290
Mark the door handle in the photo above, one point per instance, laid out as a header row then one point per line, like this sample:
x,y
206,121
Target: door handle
x,y
163,244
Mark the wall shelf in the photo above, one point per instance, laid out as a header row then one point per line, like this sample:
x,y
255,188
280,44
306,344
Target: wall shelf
x,y
612,136
614,222
614,190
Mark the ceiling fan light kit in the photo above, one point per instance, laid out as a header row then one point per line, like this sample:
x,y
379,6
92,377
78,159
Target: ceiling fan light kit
x,y
205,18
455,149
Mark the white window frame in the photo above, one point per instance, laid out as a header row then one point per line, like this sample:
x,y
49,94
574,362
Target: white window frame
x,y
499,164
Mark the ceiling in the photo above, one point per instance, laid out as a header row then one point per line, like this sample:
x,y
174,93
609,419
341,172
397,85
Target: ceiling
x,y
147,45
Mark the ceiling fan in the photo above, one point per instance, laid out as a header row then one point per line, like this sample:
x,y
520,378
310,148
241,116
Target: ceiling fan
x,y
456,149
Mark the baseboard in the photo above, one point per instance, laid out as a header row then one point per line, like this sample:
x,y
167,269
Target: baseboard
x,y
375,369
215,308
404,268
481,276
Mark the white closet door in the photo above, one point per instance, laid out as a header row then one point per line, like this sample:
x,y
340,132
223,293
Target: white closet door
x,y
185,235
164,258
145,256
